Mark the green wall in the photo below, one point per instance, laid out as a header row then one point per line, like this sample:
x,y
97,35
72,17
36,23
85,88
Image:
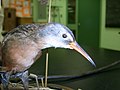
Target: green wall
x,y
89,19
109,37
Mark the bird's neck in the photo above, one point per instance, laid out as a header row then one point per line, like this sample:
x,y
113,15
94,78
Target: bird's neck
x,y
43,45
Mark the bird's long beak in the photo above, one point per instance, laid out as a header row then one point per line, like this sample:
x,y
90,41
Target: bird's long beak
x,y
76,46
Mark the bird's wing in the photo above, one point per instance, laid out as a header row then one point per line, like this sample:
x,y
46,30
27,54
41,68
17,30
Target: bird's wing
x,y
22,31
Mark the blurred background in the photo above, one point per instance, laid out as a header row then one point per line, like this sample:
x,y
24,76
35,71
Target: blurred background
x,y
96,26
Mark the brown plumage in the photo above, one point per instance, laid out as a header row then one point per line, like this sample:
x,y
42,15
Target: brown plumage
x,y
19,50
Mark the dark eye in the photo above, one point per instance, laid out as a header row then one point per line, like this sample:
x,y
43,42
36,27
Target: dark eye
x,y
64,36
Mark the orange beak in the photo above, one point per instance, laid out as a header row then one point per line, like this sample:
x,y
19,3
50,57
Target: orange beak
x,y
75,46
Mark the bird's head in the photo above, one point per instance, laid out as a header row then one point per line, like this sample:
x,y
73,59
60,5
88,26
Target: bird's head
x,y
59,36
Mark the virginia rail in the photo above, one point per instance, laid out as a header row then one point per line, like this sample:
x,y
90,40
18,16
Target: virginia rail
x,y
22,46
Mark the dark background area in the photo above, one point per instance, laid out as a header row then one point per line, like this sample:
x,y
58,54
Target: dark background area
x,y
113,13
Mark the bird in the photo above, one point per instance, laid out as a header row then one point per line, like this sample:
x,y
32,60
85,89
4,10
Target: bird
x,y
23,45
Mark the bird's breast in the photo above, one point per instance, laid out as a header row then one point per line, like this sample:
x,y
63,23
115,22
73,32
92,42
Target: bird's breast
x,y
19,57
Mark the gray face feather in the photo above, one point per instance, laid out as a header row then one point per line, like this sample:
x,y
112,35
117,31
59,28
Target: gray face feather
x,y
56,35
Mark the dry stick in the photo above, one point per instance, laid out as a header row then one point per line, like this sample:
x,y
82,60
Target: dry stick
x,y
49,17
36,78
42,82
46,70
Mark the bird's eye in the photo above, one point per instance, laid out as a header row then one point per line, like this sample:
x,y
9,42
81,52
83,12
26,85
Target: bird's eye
x,y
64,36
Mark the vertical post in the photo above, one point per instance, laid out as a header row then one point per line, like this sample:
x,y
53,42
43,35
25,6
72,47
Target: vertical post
x,y
49,17
46,70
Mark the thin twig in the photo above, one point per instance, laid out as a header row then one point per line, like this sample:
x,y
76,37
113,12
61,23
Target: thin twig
x,y
46,70
49,17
